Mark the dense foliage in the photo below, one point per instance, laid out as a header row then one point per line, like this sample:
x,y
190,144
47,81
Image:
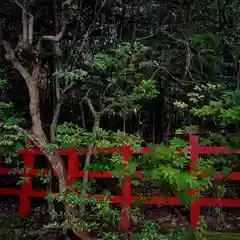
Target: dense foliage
x,y
99,74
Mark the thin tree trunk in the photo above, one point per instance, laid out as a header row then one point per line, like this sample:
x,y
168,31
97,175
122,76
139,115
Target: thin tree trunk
x,y
88,158
37,130
53,125
56,161
35,113
82,116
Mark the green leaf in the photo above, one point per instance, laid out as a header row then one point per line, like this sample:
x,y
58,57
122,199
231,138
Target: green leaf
x,y
185,198
226,171
135,182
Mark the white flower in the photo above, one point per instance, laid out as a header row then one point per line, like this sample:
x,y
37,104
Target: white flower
x,y
180,105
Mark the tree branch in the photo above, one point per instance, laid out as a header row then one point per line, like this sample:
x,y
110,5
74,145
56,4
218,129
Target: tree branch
x,y
30,28
111,106
60,97
59,36
56,113
10,56
53,125
23,131
24,25
56,39
67,3
21,6
82,116
97,119
90,105
68,88
89,30
27,23
27,134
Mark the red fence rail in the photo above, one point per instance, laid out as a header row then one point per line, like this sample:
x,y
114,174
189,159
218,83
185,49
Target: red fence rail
x,y
126,199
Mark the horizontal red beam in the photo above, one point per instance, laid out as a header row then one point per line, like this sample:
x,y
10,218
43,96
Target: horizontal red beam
x,y
157,200
43,194
234,176
10,191
144,150
68,151
217,150
208,202
154,200
34,151
34,172
201,202
112,150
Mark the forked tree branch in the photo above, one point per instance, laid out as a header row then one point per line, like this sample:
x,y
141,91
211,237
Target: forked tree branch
x,y
27,21
22,131
59,36
21,6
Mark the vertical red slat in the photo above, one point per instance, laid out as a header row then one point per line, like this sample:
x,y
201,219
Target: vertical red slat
x,y
26,189
195,207
126,193
73,164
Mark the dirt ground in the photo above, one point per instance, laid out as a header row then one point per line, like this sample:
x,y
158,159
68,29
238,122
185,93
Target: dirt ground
x,y
14,227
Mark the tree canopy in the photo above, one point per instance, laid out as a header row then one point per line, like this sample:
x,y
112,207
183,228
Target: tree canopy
x,y
106,73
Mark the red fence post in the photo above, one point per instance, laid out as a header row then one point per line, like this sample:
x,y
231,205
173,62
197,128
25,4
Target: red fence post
x,y
27,185
126,198
195,207
73,164
126,193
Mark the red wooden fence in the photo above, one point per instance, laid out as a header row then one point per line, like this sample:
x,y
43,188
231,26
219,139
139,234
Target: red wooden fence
x,y
126,199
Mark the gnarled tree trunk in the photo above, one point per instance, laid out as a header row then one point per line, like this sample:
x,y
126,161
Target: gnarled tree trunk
x,y
37,134
29,69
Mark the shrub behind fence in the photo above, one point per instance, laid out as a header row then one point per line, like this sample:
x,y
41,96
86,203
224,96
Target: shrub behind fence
x,y
126,199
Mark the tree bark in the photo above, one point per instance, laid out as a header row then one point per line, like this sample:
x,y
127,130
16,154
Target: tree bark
x,y
31,74
56,161
35,113
38,136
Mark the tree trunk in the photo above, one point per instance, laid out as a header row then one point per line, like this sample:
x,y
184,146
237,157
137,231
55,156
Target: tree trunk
x,y
56,161
34,104
31,76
